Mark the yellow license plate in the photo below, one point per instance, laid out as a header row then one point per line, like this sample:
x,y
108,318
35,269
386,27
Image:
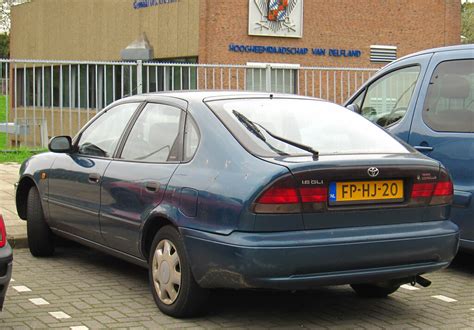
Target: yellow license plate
x,y
365,192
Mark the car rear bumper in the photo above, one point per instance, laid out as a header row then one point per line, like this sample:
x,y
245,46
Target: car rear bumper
x,y
467,245
305,259
6,261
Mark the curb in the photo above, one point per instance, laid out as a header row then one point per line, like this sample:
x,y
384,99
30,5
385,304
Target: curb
x,y
18,242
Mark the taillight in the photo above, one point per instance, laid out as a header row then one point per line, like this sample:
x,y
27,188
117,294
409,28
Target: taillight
x,y
3,233
279,195
422,190
435,193
284,196
443,193
443,189
314,195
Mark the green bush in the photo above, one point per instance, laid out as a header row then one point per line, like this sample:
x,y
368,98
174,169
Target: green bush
x,y
17,156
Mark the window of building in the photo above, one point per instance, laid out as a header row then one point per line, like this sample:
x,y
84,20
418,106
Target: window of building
x,y
449,104
94,86
387,99
163,77
73,86
271,77
4,73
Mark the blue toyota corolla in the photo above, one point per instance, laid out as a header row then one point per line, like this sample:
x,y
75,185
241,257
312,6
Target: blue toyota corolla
x,y
242,190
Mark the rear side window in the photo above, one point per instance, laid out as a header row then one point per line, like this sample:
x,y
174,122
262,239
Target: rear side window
x,y
387,99
449,104
155,137
191,139
323,126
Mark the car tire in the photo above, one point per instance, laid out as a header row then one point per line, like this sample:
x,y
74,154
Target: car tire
x,y
375,290
40,237
172,283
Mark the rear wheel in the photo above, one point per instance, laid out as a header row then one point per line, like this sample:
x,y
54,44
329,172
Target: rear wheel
x,y
174,289
375,290
40,237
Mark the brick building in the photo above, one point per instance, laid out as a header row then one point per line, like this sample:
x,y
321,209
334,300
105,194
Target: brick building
x,y
330,33
273,45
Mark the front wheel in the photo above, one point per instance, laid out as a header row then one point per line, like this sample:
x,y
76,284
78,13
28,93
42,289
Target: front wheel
x,y
174,289
375,290
40,237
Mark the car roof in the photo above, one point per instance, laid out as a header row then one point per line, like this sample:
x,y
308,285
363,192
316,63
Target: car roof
x,y
212,95
439,50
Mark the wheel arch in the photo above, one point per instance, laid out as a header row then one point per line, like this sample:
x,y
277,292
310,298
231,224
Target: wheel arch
x,y
21,198
152,225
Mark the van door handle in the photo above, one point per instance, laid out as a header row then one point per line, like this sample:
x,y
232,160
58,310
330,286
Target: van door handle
x,y
152,186
423,148
94,178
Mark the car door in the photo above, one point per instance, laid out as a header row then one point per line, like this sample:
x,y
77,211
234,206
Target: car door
x,y
389,98
74,179
134,184
443,128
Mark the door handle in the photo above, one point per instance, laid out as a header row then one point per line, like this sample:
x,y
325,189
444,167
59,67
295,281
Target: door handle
x,y
423,148
94,178
152,186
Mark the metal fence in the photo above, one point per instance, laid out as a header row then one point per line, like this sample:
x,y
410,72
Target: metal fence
x,y
46,98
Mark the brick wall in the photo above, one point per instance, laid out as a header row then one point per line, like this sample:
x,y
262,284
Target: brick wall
x,y
411,25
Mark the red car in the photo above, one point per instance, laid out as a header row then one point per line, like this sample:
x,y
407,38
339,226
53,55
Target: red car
x,y
6,261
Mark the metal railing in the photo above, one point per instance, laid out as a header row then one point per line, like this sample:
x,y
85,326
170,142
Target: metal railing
x,y
46,98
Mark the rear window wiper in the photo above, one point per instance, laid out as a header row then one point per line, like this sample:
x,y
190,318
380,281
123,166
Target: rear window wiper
x,y
247,122
292,143
250,125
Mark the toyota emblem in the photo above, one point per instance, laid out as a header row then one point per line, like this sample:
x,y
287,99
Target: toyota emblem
x,y
373,171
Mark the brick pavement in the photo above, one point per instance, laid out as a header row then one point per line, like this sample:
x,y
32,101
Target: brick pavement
x,y
16,228
99,291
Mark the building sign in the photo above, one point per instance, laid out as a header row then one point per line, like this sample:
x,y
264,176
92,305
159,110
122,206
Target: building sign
x,y
276,18
138,4
335,52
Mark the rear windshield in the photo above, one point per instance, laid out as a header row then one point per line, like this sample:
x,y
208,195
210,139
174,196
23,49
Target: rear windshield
x,y
325,127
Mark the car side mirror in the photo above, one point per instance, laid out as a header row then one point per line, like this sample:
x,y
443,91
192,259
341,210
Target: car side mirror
x,y
354,108
60,144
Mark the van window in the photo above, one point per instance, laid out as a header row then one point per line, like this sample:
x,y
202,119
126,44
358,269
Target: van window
x,y
449,104
388,98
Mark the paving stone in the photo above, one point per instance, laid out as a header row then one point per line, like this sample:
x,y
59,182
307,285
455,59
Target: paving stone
x,y
99,291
